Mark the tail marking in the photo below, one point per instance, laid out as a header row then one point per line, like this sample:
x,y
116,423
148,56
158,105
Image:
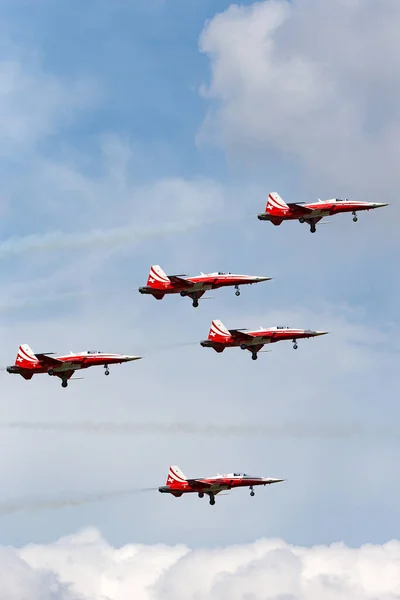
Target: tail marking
x,y
218,331
275,204
157,278
175,475
25,356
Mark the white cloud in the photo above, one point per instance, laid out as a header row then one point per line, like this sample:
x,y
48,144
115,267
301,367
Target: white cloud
x,y
85,566
313,79
34,104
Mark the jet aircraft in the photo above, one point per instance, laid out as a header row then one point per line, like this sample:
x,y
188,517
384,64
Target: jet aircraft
x,y
220,337
28,363
159,284
277,210
177,484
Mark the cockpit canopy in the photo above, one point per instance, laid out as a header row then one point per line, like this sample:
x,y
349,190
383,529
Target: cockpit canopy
x,y
341,199
221,273
93,352
241,475
282,327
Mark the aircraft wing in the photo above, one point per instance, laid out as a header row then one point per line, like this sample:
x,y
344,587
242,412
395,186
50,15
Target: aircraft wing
x,y
199,482
300,206
179,280
240,333
48,360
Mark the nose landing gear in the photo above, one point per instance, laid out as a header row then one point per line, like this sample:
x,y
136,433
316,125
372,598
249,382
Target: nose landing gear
x,y
295,346
212,499
252,492
237,293
355,218
106,372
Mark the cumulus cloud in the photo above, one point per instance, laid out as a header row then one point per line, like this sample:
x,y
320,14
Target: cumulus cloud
x,y
312,80
85,566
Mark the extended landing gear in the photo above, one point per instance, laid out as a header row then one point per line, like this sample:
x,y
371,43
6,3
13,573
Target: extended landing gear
x,y
194,297
355,218
295,346
252,492
183,294
312,226
253,352
212,499
106,372
201,494
64,383
237,293
302,220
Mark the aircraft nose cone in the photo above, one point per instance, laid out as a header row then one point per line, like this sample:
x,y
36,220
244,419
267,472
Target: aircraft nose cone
x,y
129,358
380,204
263,278
270,480
321,332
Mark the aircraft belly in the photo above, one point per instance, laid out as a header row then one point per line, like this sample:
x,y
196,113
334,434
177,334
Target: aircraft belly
x,y
67,367
258,340
319,214
201,287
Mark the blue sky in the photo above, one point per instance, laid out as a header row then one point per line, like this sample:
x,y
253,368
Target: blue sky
x,y
107,130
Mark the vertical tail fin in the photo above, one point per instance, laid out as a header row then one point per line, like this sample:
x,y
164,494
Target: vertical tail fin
x,y
25,357
175,475
157,278
218,332
275,204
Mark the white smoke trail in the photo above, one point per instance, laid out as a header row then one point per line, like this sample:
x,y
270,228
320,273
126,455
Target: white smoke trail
x,y
120,236
292,430
31,505
59,240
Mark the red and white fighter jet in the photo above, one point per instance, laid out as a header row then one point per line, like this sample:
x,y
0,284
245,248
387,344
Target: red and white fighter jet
x,y
177,484
159,284
277,210
28,363
220,337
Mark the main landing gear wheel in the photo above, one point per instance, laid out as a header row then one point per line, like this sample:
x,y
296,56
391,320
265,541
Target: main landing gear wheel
x,y
302,220
254,356
50,372
183,294
243,346
212,500
355,218
64,383
201,494
106,372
